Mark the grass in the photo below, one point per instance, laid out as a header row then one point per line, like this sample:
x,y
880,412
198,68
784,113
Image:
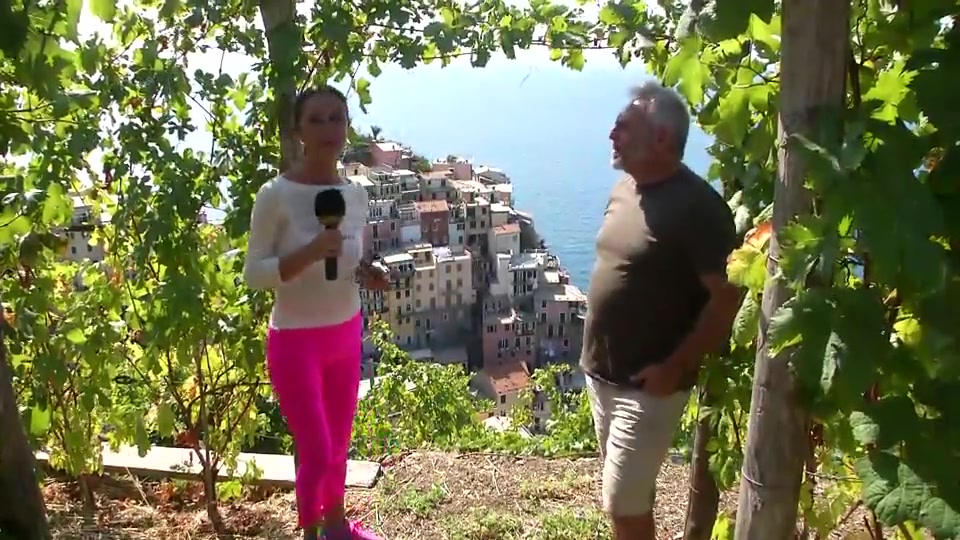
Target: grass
x,y
423,496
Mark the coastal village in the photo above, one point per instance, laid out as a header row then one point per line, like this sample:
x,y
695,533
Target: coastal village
x,y
476,286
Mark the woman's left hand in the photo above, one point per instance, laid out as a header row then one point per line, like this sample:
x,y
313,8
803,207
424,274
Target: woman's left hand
x,y
374,278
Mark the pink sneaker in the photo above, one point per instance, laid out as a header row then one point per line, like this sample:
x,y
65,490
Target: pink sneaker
x,y
359,533
353,531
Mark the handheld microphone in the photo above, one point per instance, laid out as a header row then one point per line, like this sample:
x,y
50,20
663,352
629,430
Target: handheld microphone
x,y
330,207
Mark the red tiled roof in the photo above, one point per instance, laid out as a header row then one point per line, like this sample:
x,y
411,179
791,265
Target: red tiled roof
x,y
507,228
507,377
430,207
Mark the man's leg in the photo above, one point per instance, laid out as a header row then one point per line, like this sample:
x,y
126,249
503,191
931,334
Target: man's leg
x,y
639,434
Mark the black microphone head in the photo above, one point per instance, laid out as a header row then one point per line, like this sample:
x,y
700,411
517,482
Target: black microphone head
x,y
329,206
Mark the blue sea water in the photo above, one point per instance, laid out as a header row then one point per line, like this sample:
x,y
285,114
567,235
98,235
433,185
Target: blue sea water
x,y
545,125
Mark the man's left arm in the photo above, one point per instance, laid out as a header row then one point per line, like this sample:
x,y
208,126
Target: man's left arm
x,y
708,240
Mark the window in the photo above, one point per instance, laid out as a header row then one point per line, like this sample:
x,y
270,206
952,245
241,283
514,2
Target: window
x,y
503,399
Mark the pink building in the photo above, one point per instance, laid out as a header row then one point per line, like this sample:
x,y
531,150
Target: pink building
x,y
508,337
384,234
461,168
434,222
389,154
559,308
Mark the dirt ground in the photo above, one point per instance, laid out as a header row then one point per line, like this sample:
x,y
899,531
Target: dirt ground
x,y
421,496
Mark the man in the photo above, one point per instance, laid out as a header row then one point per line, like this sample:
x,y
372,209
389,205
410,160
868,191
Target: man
x,y
659,301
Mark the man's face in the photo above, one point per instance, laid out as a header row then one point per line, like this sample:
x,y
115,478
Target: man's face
x,y
636,140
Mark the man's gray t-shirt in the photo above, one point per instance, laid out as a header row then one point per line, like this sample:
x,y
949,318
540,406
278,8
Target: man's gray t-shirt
x,y
645,291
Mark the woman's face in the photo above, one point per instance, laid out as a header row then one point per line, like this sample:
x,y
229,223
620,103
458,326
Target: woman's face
x,y
323,125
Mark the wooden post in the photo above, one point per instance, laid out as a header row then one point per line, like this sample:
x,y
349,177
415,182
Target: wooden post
x,y
22,512
814,49
703,497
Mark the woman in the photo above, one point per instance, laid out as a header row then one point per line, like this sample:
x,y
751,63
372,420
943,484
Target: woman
x,y
315,337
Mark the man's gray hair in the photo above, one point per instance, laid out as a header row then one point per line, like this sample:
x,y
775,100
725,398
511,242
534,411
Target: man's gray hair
x,y
667,109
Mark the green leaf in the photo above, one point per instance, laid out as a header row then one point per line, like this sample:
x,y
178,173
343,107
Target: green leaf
x,y
76,336
141,436
763,32
574,60
748,268
165,420
686,71
885,423
609,15
105,10
837,341
890,89
362,87
734,111
894,491
39,421
746,323
724,19
72,18
56,206
169,8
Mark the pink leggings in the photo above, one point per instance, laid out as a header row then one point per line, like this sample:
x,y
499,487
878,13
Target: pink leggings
x,y
316,374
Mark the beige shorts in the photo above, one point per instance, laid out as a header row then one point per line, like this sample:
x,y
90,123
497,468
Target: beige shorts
x,y
634,431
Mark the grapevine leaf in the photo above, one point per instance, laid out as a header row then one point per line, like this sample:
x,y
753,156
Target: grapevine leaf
x,y
76,336
169,7
747,267
730,18
734,110
363,92
804,318
890,488
763,32
165,420
686,71
836,338
141,436
745,325
865,430
897,218
105,10
897,494
890,89
885,423
39,420
72,17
